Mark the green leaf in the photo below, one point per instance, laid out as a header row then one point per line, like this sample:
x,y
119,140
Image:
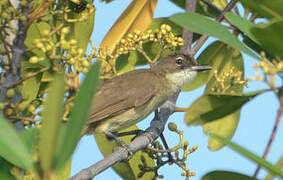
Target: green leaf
x,y
29,137
71,135
30,87
214,107
254,46
203,25
5,170
224,175
214,55
270,37
47,76
123,64
243,24
265,8
12,147
52,117
257,159
127,169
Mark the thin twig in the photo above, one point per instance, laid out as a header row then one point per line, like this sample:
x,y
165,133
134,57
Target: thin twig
x,y
274,130
41,9
23,118
31,75
145,55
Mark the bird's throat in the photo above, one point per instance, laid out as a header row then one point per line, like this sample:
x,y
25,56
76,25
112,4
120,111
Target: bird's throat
x,y
181,78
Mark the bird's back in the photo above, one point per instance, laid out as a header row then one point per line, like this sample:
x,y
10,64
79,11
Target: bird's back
x,y
122,93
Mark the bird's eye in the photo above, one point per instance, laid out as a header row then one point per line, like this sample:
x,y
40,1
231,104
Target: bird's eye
x,y
179,60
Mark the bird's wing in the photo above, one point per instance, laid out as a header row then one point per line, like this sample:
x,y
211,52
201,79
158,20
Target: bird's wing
x,y
116,96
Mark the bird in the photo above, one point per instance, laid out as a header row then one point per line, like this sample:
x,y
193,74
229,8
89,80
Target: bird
x,y
129,98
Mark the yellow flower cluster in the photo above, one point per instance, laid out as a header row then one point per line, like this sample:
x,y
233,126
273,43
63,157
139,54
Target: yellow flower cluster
x,y
226,80
269,68
134,42
9,13
70,53
164,36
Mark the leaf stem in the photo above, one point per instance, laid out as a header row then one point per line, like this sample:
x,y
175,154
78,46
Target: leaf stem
x,y
30,76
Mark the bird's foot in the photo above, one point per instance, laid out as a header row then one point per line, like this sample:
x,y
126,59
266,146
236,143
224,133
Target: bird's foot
x,y
121,143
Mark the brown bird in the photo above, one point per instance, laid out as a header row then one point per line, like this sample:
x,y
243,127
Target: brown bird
x,y
129,98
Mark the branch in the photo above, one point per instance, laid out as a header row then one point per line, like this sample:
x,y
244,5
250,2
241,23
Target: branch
x,y
203,38
187,34
142,141
12,73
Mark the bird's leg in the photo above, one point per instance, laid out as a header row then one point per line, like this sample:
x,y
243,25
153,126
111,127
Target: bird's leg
x,y
120,142
128,133
163,138
136,132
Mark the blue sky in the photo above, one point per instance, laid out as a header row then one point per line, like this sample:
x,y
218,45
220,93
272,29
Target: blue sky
x,y
255,126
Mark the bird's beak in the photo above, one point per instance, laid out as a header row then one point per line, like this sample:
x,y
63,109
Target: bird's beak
x,y
201,67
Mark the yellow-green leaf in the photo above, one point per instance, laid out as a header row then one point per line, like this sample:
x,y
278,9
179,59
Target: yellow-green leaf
x,y
12,147
71,134
51,122
65,172
225,126
221,4
279,163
